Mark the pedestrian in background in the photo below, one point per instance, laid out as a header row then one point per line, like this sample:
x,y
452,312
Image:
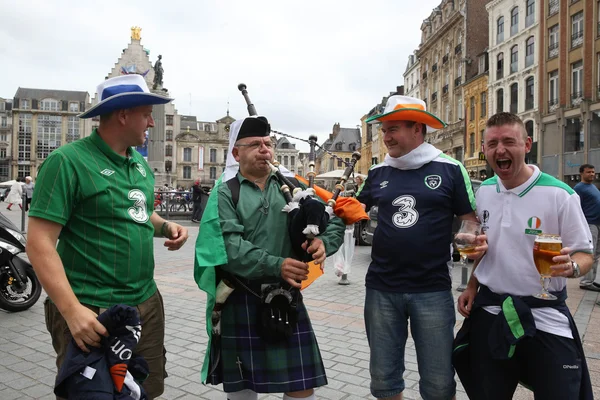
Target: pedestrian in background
x,y
197,193
15,196
589,196
28,190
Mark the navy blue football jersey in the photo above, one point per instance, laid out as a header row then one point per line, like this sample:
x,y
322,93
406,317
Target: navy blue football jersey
x,y
416,207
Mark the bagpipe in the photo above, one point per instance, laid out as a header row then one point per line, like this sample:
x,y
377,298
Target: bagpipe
x,y
308,216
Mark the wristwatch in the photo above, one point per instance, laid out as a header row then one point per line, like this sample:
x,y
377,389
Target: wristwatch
x,y
576,270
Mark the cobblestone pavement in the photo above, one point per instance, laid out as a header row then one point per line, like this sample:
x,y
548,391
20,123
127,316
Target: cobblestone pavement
x,y
27,368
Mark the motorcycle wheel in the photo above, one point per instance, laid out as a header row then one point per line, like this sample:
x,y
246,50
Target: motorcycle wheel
x,y
19,300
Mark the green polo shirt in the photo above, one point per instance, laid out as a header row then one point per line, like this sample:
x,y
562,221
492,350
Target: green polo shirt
x,y
103,201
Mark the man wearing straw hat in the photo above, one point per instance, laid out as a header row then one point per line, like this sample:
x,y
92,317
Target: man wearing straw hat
x,y
96,195
244,238
418,190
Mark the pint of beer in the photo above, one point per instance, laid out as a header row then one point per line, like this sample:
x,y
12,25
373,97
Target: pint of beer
x,y
545,248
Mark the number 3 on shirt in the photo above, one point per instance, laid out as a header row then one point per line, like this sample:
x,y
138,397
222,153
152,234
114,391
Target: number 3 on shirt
x,y
138,212
407,215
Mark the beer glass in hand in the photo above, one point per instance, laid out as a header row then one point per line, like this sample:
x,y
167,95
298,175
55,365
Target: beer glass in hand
x,y
465,239
545,248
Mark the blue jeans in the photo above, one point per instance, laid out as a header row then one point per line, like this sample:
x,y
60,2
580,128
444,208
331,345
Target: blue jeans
x,y
432,322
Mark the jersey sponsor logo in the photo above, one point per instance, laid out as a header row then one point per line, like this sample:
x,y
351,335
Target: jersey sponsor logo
x,y
533,225
407,215
141,169
107,172
383,184
433,181
138,212
485,217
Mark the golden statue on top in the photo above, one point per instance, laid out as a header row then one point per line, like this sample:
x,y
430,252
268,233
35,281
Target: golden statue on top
x,y
136,32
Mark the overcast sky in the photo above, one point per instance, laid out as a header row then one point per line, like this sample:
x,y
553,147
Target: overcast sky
x,y
307,64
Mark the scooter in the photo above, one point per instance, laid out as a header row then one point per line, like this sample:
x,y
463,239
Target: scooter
x,y
19,286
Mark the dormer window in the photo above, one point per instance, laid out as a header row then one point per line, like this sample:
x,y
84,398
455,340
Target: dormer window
x,y
49,105
338,146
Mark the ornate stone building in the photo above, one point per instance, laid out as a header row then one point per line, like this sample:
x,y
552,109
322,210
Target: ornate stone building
x,y
6,123
412,77
342,142
453,43
43,120
286,153
159,150
201,150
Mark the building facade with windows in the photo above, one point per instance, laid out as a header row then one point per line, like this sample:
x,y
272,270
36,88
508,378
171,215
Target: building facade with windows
x,y
286,153
44,120
569,89
6,123
201,150
342,142
412,77
513,54
475,91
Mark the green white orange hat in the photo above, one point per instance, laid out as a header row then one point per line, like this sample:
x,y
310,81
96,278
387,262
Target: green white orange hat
x,y
405,108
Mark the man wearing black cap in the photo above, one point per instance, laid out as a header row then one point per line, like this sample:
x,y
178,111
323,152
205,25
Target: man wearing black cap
x,y
257,253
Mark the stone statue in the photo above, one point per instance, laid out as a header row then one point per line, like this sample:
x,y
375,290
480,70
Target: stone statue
x,y
158,73
136,32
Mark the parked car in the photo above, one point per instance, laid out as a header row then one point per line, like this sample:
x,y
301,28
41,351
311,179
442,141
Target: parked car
x,y
369,226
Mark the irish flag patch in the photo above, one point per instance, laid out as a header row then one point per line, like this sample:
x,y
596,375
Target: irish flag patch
x,y
533,225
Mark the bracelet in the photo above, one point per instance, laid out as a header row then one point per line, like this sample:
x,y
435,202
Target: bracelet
x,y
163,230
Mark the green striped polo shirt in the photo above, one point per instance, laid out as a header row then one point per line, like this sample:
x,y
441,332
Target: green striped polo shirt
x,y
103,201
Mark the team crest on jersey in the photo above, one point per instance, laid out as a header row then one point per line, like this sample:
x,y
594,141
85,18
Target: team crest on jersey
x,y
383,184
407,215
140,168
433,181
533,226
107,172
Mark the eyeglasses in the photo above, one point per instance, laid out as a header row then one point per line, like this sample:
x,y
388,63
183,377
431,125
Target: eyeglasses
x,y
256,144
264,205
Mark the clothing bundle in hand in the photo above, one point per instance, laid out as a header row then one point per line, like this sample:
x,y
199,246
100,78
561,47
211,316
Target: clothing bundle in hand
x,y
111,371
310,218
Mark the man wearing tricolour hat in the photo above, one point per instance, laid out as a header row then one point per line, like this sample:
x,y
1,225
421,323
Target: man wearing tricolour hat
x,y
417,190
96,195
244,238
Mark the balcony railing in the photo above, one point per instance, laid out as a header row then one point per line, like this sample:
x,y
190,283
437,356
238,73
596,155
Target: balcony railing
x,y
553,7
434,67
553,50
552,105
458,81
458,48
445,59
576,98
577,39
424,75
528,104
445,89
434,97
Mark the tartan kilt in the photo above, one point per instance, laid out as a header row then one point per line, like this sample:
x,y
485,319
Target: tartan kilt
x,y
248,362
